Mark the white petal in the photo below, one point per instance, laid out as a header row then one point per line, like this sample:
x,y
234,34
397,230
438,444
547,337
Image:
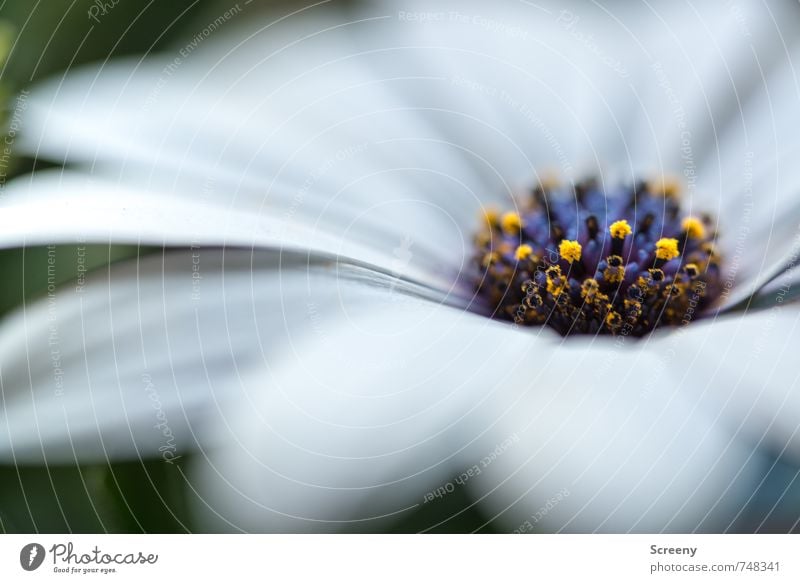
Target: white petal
x,y
570,86
354,429
598,437
51,207
144,358
481,96
294,109
744,367
758,183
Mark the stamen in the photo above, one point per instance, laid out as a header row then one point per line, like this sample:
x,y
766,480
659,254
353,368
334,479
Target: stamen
x,y
620,229
592,228
523,252
491,216
693,228
490,259
667,249
551,265
691,270
615,272
570,251
511,223
589,289
647,222
667,187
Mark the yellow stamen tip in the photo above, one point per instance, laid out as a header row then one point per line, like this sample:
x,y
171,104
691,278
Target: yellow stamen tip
x,y
620,229
491,216
667,249
549,180
693,227
523,252
667,187
490,259
570,250
511,223
589,288
613,319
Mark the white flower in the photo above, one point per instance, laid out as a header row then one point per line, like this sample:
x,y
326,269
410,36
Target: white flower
x,y
316,180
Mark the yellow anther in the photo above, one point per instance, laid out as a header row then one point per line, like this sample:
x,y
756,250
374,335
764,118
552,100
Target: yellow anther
x,y
555,281
614,274
620,229
491,216
549,179
523,252
490,259
667,249
589,288
482,238
648,284
570,250
504,248
708,249
673,290
613,320
511,223
633,309
533,301
693,227
668,187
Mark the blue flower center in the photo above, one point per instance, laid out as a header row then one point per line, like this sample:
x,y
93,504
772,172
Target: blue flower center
x,y
584,259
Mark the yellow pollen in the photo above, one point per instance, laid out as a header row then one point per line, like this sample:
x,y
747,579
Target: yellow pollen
x,y
708,248
491,216
589,288
647,284
667,187
620,229
548,180
532,301
511,223
504,248
523,252
613,320
483,238
490,258
555,281
693,228
667,249
614,274
570,250
633,309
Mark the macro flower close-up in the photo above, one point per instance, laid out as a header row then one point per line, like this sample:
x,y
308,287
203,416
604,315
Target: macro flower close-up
x,y
413,267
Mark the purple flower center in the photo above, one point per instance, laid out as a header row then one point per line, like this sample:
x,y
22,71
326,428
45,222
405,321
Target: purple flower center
x,y
586,260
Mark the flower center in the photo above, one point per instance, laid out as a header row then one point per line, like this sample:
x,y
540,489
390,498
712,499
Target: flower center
x,y
584,260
